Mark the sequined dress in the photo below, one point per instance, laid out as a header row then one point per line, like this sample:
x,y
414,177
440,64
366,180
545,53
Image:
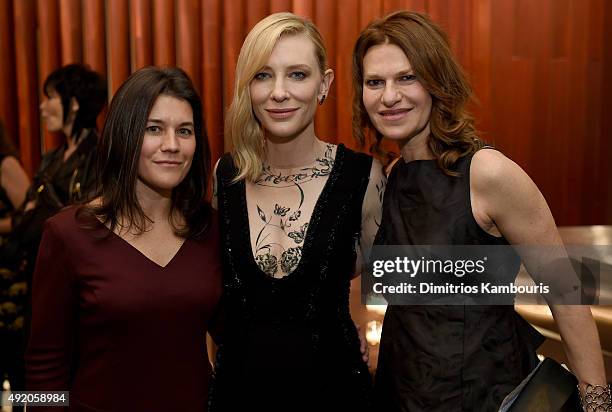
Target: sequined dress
x,y
289,343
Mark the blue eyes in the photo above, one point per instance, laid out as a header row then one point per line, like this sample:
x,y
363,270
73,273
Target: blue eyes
x,y
406,79
295,75
157,130
261,76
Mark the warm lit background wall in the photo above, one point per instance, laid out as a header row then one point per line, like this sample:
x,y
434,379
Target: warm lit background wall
x,y
541,70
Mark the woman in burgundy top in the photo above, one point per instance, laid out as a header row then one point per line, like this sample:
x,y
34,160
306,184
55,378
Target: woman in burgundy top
x,y
127,285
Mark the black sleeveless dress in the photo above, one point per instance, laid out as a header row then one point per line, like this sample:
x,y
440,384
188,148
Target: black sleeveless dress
x,y
445,358
290,344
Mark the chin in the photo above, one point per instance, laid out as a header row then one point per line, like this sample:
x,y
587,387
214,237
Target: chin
x,y
391,134
284,133
52,129
164,185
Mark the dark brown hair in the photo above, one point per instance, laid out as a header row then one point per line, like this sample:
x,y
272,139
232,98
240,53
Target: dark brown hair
x,y
427,48
86,86
119,153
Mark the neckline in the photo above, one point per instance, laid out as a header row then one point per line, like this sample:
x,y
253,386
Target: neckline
x,y
312,224
321,155
140,253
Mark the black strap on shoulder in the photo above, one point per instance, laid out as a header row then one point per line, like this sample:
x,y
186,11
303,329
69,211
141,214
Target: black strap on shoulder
x,y
226,170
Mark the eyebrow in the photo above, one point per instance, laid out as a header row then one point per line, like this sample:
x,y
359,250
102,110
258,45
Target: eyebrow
x,y
292,67
398,74
159,121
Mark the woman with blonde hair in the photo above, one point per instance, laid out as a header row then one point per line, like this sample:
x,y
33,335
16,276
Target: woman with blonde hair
x,y
448,188
295,212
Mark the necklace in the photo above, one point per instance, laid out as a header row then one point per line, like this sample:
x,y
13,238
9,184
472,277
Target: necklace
x,y
322,166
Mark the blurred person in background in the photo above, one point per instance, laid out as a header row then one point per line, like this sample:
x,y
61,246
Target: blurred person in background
x,y
14,183
74,97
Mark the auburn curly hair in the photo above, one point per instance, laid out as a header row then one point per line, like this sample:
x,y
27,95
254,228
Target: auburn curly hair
x,y
452,132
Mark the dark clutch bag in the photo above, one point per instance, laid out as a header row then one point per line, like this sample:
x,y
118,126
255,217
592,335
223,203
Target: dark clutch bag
x,y
549,388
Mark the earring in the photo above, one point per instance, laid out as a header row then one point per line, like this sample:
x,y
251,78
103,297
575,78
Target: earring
x,y
321,100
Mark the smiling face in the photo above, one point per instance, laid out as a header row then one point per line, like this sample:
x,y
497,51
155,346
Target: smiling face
x,y
284,92
168,144
397,104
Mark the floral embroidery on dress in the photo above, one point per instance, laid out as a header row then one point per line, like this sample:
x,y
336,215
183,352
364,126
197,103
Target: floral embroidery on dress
x,y
280,218
267,263
290,259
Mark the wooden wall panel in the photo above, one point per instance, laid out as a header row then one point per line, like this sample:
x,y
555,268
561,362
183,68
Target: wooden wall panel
x,y
94,39
140,34
304,8
163,33
277,6
256,10
49,56
117,31
325,120
71,31
8,112
540,71
347,23
24,14
212,76
604,182
233,36
189,39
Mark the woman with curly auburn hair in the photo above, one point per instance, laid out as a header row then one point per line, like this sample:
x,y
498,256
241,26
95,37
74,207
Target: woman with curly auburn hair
x,y
293,210
448,188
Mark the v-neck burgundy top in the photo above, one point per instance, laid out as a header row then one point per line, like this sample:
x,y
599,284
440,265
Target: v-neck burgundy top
x,y
118,331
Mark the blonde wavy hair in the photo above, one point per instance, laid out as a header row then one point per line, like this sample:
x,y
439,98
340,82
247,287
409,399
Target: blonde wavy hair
x,y
428,50
241,125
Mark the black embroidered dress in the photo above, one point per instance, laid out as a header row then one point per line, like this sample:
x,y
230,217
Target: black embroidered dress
x,y
289,343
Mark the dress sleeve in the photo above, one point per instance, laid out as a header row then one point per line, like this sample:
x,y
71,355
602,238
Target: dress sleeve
x,y
50,349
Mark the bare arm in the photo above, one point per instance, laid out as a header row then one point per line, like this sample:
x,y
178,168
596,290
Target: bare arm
x,y
504,197
371,212
14,180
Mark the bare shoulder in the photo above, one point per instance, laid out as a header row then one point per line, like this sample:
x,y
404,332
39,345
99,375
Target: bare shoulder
x,y
10,166
491,170
9,162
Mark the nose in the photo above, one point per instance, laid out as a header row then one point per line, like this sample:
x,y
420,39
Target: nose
x,y
391,95
279,93
42,104
169,142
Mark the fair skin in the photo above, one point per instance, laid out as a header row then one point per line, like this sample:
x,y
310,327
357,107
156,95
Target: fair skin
x,y
167,152
505,201
15,182
284,95
52,112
